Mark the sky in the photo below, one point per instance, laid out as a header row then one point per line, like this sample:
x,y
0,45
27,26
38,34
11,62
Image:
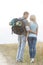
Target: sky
x,y
10,9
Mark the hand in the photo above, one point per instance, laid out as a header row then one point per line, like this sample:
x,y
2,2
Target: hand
x,y
32,32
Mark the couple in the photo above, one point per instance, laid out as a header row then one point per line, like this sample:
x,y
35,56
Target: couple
x,y
32,31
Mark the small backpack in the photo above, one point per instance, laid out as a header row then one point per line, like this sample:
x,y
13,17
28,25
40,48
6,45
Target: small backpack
x,y
18,26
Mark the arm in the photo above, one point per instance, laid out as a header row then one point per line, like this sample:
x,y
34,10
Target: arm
x,y
34,32
30,31
37,31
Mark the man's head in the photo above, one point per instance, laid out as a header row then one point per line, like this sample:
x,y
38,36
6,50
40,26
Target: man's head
x,y
25,14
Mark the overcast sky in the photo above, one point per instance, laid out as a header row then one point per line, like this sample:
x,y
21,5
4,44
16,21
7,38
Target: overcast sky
x,y
10,9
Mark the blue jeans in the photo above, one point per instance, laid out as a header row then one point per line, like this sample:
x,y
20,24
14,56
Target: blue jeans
x,y
22,43
32,46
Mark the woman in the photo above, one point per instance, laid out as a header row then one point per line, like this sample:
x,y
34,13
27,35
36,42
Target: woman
x,y
32,37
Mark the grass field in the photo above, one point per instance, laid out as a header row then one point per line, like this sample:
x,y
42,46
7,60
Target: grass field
x,y
10,50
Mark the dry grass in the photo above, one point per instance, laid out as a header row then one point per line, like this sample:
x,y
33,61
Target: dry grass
x,y
11,50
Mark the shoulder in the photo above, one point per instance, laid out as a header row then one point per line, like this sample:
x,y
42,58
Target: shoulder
x,y
20,18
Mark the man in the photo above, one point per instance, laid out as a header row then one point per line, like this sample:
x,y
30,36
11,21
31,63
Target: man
x,y
22,39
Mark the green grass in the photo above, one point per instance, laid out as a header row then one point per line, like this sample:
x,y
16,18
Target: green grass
x,y
11,50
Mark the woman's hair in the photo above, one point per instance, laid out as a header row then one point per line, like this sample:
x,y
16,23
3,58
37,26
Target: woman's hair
x,y
33,18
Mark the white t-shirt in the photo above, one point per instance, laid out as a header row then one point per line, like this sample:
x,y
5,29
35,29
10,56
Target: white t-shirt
x,y
27,28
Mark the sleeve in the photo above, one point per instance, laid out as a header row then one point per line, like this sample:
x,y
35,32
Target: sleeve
x,y
37,26
27,26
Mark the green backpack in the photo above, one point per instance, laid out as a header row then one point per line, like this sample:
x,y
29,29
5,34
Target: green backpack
x,y
18,26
